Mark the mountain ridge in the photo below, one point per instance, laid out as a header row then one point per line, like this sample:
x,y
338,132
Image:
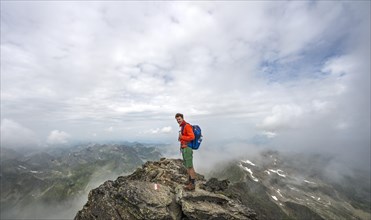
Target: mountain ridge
x,y
297,186
155,191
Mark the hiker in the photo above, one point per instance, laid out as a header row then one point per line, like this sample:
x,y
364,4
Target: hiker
x,y
186,135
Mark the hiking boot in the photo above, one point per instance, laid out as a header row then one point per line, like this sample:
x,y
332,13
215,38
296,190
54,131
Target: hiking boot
x,y
189,187
189,181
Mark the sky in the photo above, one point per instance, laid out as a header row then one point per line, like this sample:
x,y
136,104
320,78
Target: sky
x,y
289,75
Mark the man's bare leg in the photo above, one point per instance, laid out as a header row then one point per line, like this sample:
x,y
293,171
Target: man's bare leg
x,y
192,173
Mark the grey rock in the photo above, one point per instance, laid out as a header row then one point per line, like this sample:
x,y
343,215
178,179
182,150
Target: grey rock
x,y
214,184
155,191
206,205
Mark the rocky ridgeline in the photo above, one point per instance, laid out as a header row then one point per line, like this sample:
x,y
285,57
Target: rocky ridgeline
x,y
155,191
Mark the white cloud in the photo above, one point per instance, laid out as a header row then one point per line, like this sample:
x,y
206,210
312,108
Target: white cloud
x,y
285,68
15,135
57,137
164,130
283,116
110,129
269,134
319,105
167,129
339,65
341,125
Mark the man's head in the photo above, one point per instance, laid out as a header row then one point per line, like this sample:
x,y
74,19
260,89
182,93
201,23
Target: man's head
x,y
179,118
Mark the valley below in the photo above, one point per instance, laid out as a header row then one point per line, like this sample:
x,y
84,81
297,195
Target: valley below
x,y
55,183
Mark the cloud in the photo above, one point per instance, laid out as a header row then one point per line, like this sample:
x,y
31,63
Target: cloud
x,y
15,135
269,134
339,65
167,129
282,116
57,137
294,69
164,130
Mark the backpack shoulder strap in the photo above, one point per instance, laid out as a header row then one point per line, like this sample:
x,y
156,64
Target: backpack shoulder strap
x,y
184,127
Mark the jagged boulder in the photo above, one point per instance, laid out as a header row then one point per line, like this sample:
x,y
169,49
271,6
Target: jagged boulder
x,y
155,191
214,185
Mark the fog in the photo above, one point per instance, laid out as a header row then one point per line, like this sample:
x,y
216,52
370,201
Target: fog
x,y
62,210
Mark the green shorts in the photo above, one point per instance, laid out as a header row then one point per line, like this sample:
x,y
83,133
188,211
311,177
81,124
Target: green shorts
x,y
187,157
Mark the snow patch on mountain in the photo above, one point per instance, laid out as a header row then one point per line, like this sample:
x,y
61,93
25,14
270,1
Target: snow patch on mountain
x,y
20,166
33,171
279,192
248,162
249,171
278,172
309,182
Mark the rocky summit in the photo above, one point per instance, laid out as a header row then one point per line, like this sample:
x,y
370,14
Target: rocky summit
x,y
155,191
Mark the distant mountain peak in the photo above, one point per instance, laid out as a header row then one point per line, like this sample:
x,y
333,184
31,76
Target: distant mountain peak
x,y
155,191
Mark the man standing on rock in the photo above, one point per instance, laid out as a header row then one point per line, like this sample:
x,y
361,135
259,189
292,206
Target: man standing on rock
x,y
186,135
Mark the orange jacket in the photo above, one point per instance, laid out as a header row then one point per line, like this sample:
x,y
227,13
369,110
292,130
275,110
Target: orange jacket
x,y
187,134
